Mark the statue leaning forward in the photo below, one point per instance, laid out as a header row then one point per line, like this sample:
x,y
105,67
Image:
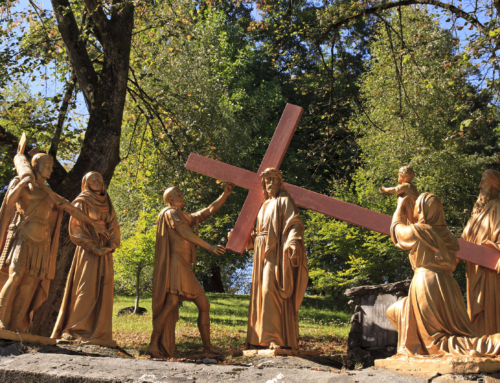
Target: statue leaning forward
x,y
30,221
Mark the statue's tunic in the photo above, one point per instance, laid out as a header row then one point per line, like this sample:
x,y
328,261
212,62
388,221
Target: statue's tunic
x,y
34,250
173,273
279,280
433,320
87,306
483,285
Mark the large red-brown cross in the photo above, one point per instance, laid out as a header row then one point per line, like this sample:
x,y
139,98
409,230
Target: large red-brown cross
x,y
329,206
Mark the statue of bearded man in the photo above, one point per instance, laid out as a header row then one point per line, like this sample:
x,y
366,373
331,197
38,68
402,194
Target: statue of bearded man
x,y
280,273
483,285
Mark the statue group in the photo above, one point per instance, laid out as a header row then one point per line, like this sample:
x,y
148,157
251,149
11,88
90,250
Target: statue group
x,y
432,321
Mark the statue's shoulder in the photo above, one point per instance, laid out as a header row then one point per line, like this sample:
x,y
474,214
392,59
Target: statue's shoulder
x,y
172,217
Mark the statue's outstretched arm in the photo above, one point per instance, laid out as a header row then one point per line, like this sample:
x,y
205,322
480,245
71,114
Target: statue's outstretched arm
x,y
216,205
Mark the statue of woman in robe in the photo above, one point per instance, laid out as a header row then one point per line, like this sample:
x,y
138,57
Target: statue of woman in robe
x,y
87,308
432,321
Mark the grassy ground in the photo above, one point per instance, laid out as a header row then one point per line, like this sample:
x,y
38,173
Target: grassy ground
x,y
321,327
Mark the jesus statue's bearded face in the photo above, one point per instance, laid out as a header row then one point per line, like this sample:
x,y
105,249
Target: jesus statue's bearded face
x,y
273,185
484,196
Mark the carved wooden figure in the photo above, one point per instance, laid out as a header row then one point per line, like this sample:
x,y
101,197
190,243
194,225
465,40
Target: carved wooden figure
x,y
407,192
173,278
87,307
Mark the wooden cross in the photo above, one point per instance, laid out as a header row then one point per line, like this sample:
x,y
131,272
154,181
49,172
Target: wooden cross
x,y
307,199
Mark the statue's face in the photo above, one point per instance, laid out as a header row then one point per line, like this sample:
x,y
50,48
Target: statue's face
x,y
45,167
272,185
95,183
177,198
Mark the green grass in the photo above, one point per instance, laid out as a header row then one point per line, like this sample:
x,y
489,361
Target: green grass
x,y
322,327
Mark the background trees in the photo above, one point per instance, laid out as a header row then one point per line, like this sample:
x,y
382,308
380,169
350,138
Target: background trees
x,y
382,85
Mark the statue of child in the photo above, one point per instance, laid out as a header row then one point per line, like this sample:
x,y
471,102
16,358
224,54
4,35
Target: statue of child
x,y
406,191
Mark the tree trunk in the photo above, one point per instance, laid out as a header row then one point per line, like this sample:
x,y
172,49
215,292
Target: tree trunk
x,y
105,94
213,284
137,290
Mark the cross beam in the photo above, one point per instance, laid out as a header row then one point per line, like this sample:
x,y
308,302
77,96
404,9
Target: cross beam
x,y
307,199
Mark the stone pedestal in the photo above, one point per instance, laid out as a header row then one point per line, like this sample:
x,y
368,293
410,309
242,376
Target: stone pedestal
x,y
456,365
372,336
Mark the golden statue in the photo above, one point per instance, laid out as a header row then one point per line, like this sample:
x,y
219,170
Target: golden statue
x,y
407,192
173,278
432,320
87,306
483,285
280,273
30,220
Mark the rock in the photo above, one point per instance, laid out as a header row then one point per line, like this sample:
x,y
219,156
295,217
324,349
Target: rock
x,y
130,310
13,350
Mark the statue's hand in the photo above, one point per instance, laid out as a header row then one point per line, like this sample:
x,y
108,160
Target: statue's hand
x,y
26,181
228,189
217,249
99,230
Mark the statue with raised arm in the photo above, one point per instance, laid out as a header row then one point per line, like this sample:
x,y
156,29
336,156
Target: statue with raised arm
x,y
30,220
173,277
432,320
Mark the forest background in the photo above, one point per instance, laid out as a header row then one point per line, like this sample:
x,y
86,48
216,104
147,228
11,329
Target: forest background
x,y
130,88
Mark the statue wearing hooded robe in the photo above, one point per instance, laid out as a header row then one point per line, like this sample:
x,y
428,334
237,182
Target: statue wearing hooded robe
x,y
483,285
432,321
87,306
280,273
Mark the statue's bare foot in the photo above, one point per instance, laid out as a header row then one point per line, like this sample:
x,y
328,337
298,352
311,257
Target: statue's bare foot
x,y
67,336
274,346
154,351
210,351
2,326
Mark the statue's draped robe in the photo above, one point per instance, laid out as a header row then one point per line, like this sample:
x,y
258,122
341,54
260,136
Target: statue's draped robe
x,y
87,306
433,320
39,261
172,269
279,280
483,285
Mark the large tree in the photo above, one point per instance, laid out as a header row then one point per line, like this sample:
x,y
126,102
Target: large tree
x,y
96,38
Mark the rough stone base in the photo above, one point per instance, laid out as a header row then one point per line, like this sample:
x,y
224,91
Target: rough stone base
x,y
89,342
26,338
462,365
279,352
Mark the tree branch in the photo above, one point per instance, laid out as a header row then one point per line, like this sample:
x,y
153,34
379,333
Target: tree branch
x,y
77,52
97,14
54,142
382,7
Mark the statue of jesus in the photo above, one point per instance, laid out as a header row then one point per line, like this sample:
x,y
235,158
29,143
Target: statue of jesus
x,y
280,273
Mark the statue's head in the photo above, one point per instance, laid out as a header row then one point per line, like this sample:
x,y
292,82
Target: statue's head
x,y
93,181
43,163
406,174
174,197
272,182
429,210
488,186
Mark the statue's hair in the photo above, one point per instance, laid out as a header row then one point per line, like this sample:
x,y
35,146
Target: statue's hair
x,y
267,173
408,172
168,192
38,158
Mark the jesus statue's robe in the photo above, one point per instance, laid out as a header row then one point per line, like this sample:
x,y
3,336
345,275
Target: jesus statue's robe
x,y
483,285
280,275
